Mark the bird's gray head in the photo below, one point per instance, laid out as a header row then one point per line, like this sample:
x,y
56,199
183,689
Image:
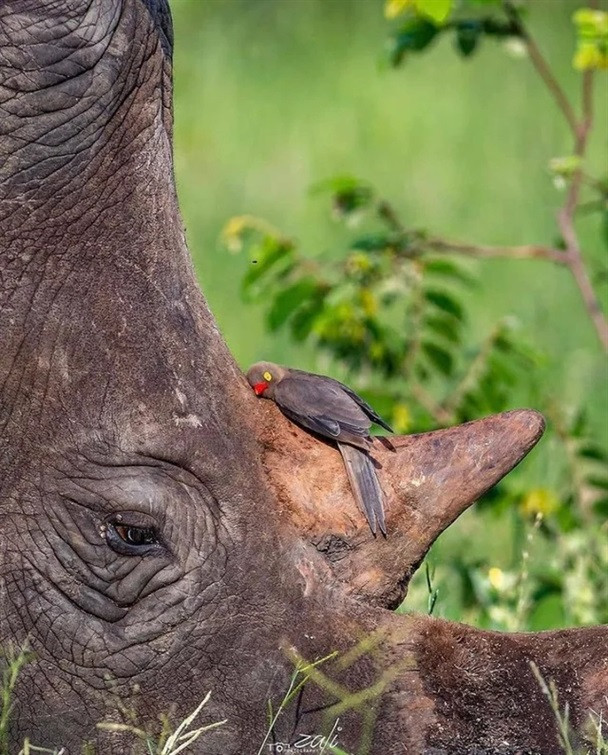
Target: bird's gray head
x,y
263,376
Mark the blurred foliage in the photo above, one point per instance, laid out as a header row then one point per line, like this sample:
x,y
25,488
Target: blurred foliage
x,y
468,22
390,311
592,39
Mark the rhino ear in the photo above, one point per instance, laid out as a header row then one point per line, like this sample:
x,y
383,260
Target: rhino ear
x,y
428,480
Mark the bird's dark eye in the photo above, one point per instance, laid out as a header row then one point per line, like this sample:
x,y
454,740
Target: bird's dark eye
x,y
130,539
136,535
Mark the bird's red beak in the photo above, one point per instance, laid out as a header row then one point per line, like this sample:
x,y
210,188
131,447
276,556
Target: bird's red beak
x,y
259,388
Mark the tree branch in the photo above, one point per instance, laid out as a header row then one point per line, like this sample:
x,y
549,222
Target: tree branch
x,y
572,256
539,62
418,241
565,218
526,251
542,68
424,398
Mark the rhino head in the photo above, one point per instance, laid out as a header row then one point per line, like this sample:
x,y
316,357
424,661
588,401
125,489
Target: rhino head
x,y
163,533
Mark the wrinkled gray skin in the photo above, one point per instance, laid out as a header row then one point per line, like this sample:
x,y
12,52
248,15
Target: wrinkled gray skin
x,y
120,408
104,410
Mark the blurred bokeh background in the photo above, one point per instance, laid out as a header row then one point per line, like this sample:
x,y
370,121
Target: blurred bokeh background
x,y
273,97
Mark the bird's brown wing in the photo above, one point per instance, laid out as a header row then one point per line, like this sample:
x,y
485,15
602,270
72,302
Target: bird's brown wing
x,y
366,408
371,413
323,407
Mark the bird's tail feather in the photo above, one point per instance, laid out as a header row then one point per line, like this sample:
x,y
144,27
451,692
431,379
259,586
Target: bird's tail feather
x,y
365,485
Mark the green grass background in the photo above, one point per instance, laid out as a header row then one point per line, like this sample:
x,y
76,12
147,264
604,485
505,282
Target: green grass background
x,y
272,96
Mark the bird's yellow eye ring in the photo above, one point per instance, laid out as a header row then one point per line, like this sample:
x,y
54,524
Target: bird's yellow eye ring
x,y
267,376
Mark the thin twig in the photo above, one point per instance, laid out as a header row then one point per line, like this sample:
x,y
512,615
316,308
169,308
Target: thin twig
x,y
581,492
580,146
526,251
414,315
561,719
474,372
387,213
425,400
565,219
592,305
524,595
418,242
572,256
542,68
553,86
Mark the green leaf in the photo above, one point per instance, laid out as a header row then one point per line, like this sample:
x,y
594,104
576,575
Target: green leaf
x,y
304,320
449,269
501,29
598,482
516,351
470,407
445,326
444,301
578,428
594,452
337,184
547,613
565,166
414,36
288,300
421,371
502,367
439,357
601,507
349,193
265,256
436,10
566,517
373,242
468,35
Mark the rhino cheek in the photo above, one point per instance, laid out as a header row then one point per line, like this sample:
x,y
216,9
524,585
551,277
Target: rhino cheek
x,y
105,606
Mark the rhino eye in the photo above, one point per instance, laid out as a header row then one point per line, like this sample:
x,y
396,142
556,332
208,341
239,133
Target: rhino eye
x,y
136,535
130,539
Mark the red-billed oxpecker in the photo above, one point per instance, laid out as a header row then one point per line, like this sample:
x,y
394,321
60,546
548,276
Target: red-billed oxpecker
x,y
333,410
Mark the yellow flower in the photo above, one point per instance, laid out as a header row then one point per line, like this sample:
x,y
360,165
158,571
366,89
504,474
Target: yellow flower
x,y
402,418
376,351
589,56
394,8
591,22
369,304
539,501
592,32
232,233
358,262
496,577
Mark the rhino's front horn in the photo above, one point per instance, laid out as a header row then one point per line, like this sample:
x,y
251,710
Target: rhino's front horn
x,y
429,480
